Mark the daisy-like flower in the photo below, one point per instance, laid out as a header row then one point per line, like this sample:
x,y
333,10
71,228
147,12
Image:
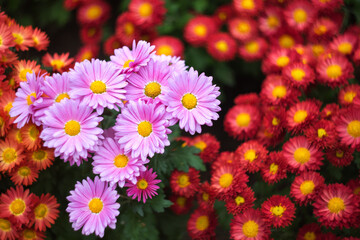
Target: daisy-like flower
x,y
330,111
185,183
23,67
202,224
253,49
249,225
299,15
348,127
8,229
198,30
147,13
24,174
306,187
46,211
348,94
145,187
322,29
14,135
17,204
344,44
30,134
242,121
8,58
271,21
242,29
298,75
277,59
340,156
114,166
42,158
251,155
58,63
129,61
220,46
225,158
240,200
11,154
91,34
205,196
247,98
286,38
97,84
93,13
168,45
112,43
22,37
40,41
126,29
31,234
71,128
274,120
93,207
327,5
336,206
7,40
300,115
248,7
208,145
181,205
224,13
87,52
191,98
28,93
322,134
278,211
274,167
309,231
141,129
301,155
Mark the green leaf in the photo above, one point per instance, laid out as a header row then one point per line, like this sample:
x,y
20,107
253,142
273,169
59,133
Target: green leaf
x,y
159,203
224,73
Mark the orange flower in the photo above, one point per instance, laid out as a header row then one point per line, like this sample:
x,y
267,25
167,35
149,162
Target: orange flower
x,y
23,67
59,63
168,45
22,37
11,154
6,37
46,211
24,174
30,135
198,30
40,40
42,157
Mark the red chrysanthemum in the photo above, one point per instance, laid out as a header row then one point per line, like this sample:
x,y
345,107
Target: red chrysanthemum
x,y
330,111
253,49
242,29
354,185
224,13
251,155
322,134
8,229
6,102
299,15
168,45
147,13
23,67
7,39
30,135
277,59
22,37
347,94
11,155
323,29
93,13
112,43
274,120
72,4
208,145
198,30
201,224
306,187
90,34
87,52
247,98
31,234
125,29
300,115
336,206
301,155
286,38
274,168
250,225
309,231
278,211
221,46
8,58
348,127
242,121
240,200
205,196
248,7
344,44
271,21
14,135
24,174
46,211
185,183
58,63
340,155
186,140
265,137
42,158
181,205
328,4
225,158
298,75
40,40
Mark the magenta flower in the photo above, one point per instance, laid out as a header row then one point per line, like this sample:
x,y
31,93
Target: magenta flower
x,y
192,99
114,166
97,84
93,206
145,187
129,61
141,129
28,93
72,129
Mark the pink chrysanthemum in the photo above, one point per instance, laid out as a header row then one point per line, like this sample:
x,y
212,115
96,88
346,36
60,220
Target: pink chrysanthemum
x,y
129,61
278,211
145,187
72,129
97,84
348,127
114,166
192,99
93,206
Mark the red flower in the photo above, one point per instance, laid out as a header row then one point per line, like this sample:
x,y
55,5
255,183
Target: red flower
x,y
181,205
354,185
11,155
248,7
247,98
42,158
93,13
323,29
206,196
340,155
253,49
90,34
111,44
208,145
251,155
299,15
322,134
305,187
30,233
298,75
147,13
224,13
330,111
22,37
24,174
344,44
221,46
22,67
4,123
87,52
274,120
198,30
348,127
274,168
72,4
185,183
46,212
300,115
265,137
8,229
347,94
168,45
59,63
277,59
40,40
309,231
126,29
242,29
225,158
327,5
270,22
201,224
278,211
7,39
30,134
240,200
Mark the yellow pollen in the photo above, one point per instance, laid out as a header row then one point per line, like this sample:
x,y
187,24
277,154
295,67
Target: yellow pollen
x,y
24,171
273,168
307,187
98,87
1,41
279,91
127,63
129,28
275,121
95,205
349,96
321,132
353,128
282,61
200,145
152,89
299,15
252,47
277,210
181,201
318,49
121,161
357,191
200,30
23,73
9,155
39,155
145,9
345,48
8,107
250,229
310,236
286,41
144,128
17,207
334,71
94,12
336,204
35,40
72,128
5,225
222,46
243,27
34,132
222,16
300,116
239,200
320,30
248,4
29,234
339,153
41,211
302,155
226,180
298,74
272,21
57,63
18,136
165,49
205,197
183,180
61,96
28,98
202,223
142,184
250,155
189,101
19,39
243,119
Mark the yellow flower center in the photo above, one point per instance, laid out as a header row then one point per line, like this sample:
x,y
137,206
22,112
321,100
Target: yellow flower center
x,y
243,27
239,200
5,225
144,128
307,187
23,73
334,71
300,116
248,4
93,12
9,155
142,184
349,96
8,107
320,30
95,205
165,49
205,197
298,74
28,98
339,154
200,145
200,30
250,229
121,161
275,121
279,91
222,16
72,128
302,155
129,28
145,9
357,191
250,155
61,96
39,155
222,46
336,204
127,63
273,168
189,101
273,21
29,234
243,119
353,128
41,211
183,180
17,207
19,39
226,180
181,201
286,41
57,63
282,61
277,210
252,47
35,40
152,89
321,132
34,132
345,48
24,171
202,223
98,87
318,49
310,236
299,15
